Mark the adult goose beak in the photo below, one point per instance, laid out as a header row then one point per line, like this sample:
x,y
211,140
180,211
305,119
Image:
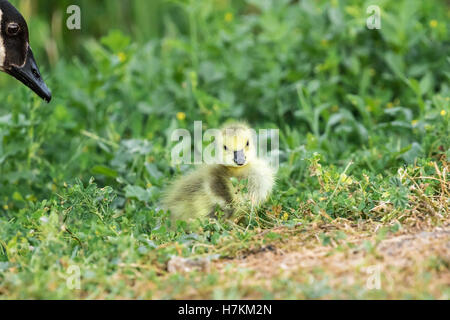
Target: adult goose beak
x,y
30,76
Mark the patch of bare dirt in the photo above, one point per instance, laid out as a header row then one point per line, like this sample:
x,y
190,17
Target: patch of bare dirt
x,y
402,261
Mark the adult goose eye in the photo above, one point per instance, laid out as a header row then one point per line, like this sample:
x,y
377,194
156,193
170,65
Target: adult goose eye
x,y
12,29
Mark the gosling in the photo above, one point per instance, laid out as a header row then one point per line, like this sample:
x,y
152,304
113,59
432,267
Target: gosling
x,y
208,189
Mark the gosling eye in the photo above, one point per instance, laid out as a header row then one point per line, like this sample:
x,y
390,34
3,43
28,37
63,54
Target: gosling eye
x,y
225,148
248,143
12,29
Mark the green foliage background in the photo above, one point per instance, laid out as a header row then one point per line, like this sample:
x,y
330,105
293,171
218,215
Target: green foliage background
x,y
80,178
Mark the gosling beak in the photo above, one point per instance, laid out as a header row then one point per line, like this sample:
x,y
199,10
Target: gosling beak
x,y
239,158
30,76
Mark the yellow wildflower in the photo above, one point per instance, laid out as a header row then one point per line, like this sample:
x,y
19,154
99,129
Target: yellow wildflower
x,y
229,17
122,56
443,113
433,23
181,116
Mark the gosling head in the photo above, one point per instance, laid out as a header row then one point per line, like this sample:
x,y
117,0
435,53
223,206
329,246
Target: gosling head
x,y
16,57
238,145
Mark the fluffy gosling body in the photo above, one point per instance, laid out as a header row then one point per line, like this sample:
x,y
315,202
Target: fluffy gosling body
x,y
203,191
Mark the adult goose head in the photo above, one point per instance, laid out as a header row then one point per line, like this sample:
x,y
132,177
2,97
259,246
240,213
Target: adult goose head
x,y
16,57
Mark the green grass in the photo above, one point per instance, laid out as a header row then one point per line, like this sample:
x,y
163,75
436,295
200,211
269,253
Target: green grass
x,y
81,178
